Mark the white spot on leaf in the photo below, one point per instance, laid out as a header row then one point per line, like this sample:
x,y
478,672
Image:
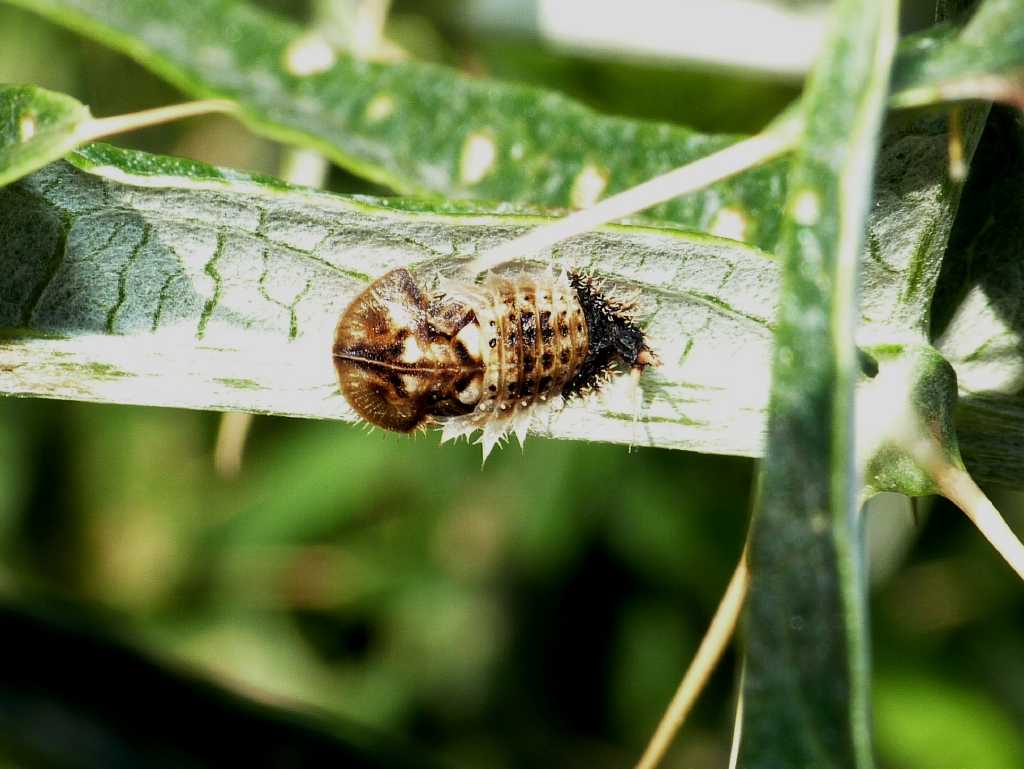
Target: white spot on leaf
x,y
309,55
27,126
381,107
588,186
730,223
478,155
806,208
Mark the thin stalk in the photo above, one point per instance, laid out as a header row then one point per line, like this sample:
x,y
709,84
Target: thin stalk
x,y
737,727
959,488
957,163
100,127
232,435
1007,89
778,139
714,643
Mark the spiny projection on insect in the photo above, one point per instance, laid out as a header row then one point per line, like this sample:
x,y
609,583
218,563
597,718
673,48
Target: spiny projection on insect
x,y
485,357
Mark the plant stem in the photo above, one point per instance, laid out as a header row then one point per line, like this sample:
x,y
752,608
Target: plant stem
x,y
737,728
960,489
716,639
993,87
957,163
778,139
101,127
232,435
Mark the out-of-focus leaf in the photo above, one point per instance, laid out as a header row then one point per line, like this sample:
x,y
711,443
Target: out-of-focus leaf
x,y
425,129
806,689
924,723
415,127
982,60
702,34
73,698
703,99
36,127
139,279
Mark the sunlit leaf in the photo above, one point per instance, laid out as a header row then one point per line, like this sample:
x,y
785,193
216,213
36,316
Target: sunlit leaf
x,y
39,126
36,127
716,326
140,279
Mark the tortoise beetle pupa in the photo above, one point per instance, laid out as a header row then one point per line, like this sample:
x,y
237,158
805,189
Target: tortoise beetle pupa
x,y
486,356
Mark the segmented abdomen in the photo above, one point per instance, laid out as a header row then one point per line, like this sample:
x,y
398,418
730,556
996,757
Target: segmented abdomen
x,y
534,338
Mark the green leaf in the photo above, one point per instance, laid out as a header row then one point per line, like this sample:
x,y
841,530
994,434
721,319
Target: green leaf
x,y
139,279
426,129
415,127
806,695
719,329
978,324
925,722
39,126
983,60
36,127
916,202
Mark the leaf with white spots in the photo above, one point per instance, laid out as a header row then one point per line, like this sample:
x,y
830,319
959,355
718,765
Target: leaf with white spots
x,y
414,127
140,279
39,126
36,127
426,129
121,250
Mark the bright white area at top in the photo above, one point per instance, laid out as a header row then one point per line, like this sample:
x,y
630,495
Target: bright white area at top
x,y
760,35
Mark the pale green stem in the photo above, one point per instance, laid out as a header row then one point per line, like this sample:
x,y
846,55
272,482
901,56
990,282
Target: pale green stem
x,y
957,163
232,435
737,727
708,654
304,167
778,139
108,126
959,488
368,30
1007,89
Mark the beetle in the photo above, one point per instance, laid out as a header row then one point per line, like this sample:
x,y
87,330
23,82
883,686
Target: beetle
x,y
486,356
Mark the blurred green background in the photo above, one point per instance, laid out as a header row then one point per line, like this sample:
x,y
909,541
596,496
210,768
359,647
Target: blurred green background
x,y
538,612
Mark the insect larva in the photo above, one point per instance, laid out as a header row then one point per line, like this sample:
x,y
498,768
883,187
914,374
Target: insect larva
x,y
483,357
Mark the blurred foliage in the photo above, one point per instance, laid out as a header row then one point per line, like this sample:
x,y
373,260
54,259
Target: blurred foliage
x,y
537,613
